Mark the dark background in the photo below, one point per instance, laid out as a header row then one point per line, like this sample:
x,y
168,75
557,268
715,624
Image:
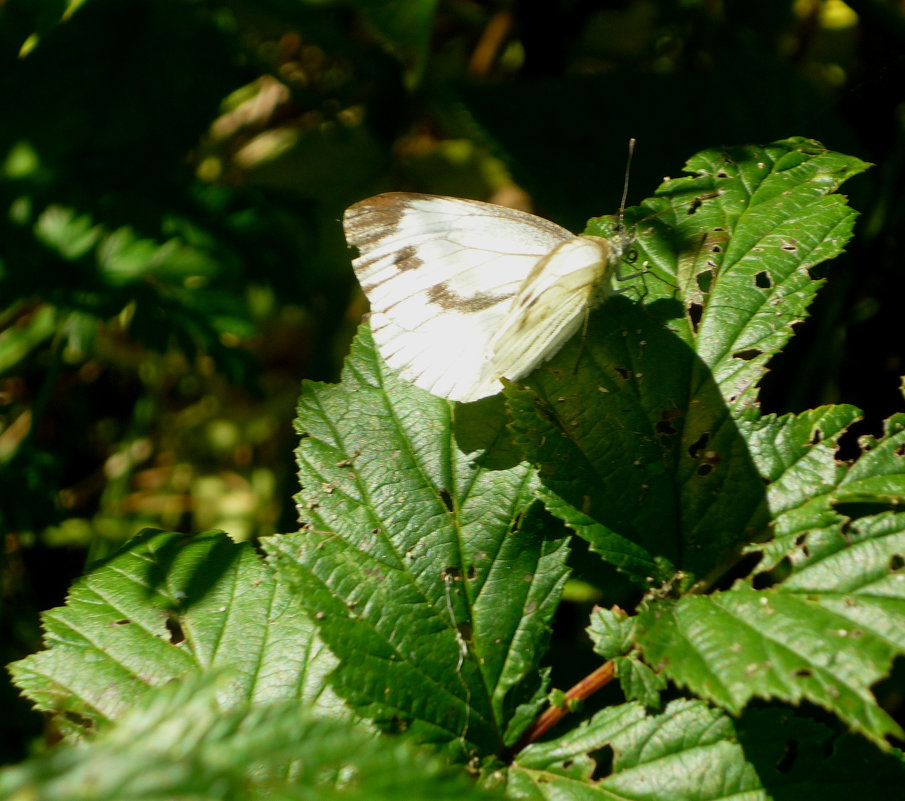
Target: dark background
x,y
173,173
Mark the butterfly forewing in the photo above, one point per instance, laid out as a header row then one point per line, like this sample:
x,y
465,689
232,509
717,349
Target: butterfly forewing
x,y
441,274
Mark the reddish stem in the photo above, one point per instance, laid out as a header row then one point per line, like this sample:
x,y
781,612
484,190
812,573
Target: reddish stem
x,y
589,685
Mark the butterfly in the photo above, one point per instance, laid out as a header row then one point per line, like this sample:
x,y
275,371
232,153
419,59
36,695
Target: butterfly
x,y
465,293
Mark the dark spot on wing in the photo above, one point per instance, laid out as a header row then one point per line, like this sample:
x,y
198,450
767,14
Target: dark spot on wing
x,y
444,297
406,259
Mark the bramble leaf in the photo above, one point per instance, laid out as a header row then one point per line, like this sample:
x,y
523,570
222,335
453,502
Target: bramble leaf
x,y
167,606
430,569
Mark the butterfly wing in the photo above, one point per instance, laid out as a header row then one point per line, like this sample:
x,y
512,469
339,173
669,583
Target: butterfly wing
x,y
441,274
550,306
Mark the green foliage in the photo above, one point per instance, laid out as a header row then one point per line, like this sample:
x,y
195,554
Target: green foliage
x,y
430,549
172,175
166,607
179,742
422,585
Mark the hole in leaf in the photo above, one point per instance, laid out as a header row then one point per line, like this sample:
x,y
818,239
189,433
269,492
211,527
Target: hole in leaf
x,y
664,424
790,247
79,720
705,280
748,354
721,173
770,578
451,573
471,573
803,673
699,201
704,469
816,437
762,280
742,569
604,763
177,635
855,511
446,497
896,562
694,450
695,313
123,622
466,631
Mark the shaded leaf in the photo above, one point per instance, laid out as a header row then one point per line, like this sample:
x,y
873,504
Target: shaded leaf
x,y
646,415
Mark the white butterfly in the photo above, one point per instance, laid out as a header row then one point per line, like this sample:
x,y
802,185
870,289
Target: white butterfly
x,y
465,293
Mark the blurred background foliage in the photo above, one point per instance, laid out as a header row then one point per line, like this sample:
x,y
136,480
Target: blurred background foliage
x,y
173,174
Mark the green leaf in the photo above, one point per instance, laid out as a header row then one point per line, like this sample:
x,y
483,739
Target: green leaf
x,y
167,606
694,753
179,743
611,632
688,752
641,437
826,634
431,571
638,681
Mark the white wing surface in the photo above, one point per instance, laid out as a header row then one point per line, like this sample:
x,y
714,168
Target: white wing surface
x,y
465,293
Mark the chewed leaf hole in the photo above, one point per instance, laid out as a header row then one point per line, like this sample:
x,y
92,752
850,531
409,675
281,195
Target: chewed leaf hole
x,y
790,247
816,437
896,562
803,673
762,280
447,499
174,627
695,313
694,450
705,280
664,424
770,578
748,354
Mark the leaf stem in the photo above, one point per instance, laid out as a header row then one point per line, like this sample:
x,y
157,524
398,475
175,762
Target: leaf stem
x,y
589,685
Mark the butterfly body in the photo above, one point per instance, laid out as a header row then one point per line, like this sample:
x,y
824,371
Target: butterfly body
x,y
465,293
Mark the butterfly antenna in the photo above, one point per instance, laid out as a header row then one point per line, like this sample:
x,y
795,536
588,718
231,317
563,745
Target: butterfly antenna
x,y
628,168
